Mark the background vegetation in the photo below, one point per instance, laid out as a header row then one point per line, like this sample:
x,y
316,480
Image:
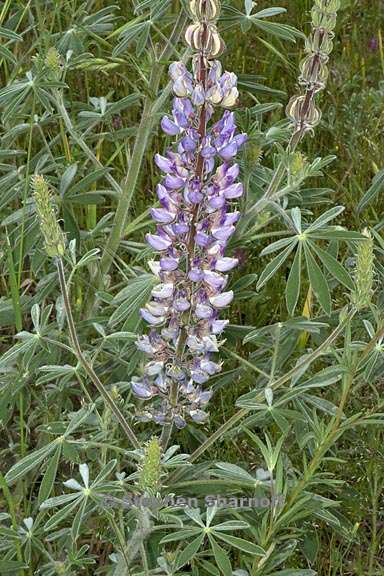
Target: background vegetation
x,y
64,128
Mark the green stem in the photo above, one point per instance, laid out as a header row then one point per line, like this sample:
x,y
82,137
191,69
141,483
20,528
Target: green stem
x,y
83,361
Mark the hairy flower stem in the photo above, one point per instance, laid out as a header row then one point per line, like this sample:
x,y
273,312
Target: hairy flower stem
x,y
240,414
202,76
83,361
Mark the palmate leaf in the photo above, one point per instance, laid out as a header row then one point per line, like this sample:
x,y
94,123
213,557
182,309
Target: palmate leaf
x,y
335,233
49,477
12,567
232,16
269,12
7,55
324,218
78,519
63,513
29,462
305,236
10,34
136,31
283,31
181,535
248,83
157,7
130,298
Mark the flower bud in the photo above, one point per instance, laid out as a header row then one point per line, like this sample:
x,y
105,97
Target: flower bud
x,y
303,112
151,467
314,72
324,20
297,164
320,42
205,38
53,236
53,62
364,274
328,6
205,9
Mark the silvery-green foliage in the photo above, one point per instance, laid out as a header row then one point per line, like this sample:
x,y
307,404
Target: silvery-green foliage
x,y
83,486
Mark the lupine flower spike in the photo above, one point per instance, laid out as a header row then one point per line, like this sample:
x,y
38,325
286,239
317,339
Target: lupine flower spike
x,y
194,223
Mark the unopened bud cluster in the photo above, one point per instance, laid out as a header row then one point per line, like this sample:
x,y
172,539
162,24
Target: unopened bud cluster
x,y
150,470
53,236
364,275
302,110
53,63
194,224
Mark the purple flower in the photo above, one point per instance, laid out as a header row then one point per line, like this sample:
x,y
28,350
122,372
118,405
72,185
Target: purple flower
x,y
169,127
221,300
163,163
233,191
158,242
141,390
373,44
225,264
150,318
162,215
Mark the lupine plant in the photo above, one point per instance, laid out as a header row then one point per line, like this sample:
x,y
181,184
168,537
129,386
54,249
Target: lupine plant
x,y
199,325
